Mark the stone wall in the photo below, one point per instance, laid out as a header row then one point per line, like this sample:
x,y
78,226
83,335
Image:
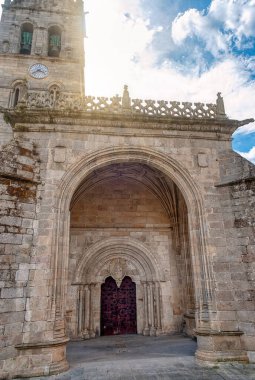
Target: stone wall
x,y
70,152
6,133
19,175
236,266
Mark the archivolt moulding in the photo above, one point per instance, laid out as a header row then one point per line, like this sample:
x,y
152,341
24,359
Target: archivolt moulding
x,y
96,256
164,163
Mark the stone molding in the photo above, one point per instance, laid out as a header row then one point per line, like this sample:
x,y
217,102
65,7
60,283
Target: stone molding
x,y
98,263
102,252
80,122
57,342
208,332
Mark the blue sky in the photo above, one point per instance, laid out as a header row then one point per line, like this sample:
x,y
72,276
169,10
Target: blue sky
x,y
176,50
185,50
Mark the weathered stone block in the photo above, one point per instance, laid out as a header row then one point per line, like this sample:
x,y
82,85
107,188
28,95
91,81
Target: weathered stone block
x,y
22,275
15,304
6,238
12,292
13,328
10,221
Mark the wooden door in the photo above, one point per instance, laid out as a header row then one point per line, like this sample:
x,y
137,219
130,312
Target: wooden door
x,y
118,307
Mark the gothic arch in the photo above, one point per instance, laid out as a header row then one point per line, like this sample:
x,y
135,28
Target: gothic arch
x,y
55,43
58,84
19,81
19,88
54,24
99,253
169,167
27,29
118,258
29,21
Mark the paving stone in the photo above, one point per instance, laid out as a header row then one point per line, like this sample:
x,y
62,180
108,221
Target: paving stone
x,y
162,358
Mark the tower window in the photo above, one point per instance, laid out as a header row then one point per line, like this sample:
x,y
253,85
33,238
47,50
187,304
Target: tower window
x,y
26,39
54,41
16,97
19,93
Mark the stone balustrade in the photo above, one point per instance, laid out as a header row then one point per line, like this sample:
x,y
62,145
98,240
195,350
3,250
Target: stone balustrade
x,y
118,105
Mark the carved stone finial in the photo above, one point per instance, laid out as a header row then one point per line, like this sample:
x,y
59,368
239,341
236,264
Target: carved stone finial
x,y
126,101
220,108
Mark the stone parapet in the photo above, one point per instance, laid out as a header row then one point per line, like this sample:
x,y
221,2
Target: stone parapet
x,y
119,105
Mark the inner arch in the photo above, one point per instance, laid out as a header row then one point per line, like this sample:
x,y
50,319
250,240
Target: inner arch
x,y
134,204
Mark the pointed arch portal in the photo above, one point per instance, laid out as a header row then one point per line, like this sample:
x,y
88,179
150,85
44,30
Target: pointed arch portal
x,y
179,198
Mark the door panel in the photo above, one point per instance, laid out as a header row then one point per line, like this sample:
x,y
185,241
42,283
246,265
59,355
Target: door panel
x,y
118,307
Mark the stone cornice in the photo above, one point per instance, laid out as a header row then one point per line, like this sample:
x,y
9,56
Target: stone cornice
x,y
40,58
42,120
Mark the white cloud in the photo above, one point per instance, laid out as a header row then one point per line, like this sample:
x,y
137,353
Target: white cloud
x,y
225,21
119,51
194,23
249,155
236,15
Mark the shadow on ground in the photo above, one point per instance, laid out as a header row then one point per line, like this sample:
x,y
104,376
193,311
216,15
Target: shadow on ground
x,y
130,347
139,357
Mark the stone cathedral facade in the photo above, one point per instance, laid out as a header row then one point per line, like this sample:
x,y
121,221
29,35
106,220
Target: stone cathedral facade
x,y
117,215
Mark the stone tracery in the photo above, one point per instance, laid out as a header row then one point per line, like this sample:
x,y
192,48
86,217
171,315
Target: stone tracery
x,y
119,105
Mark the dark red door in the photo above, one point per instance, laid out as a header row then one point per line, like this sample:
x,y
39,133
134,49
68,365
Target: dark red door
x,y
118,307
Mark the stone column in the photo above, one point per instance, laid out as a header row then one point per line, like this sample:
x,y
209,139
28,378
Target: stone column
x,y
40,41
86,312
145,297
80,310
151,309
91,317
158,308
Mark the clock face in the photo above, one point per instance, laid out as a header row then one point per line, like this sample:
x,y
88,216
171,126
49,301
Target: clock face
x,y
38,71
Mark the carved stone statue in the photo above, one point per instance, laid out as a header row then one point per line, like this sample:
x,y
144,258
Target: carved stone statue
x,y
220,108
126,101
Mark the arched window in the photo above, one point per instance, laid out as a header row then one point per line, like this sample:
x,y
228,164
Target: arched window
x,y
26,38
54,41
16,97
18,93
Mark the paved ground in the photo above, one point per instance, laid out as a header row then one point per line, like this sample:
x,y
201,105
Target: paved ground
x,y
141,358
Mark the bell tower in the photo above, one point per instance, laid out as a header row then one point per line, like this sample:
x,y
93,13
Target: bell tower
x,y
41,47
